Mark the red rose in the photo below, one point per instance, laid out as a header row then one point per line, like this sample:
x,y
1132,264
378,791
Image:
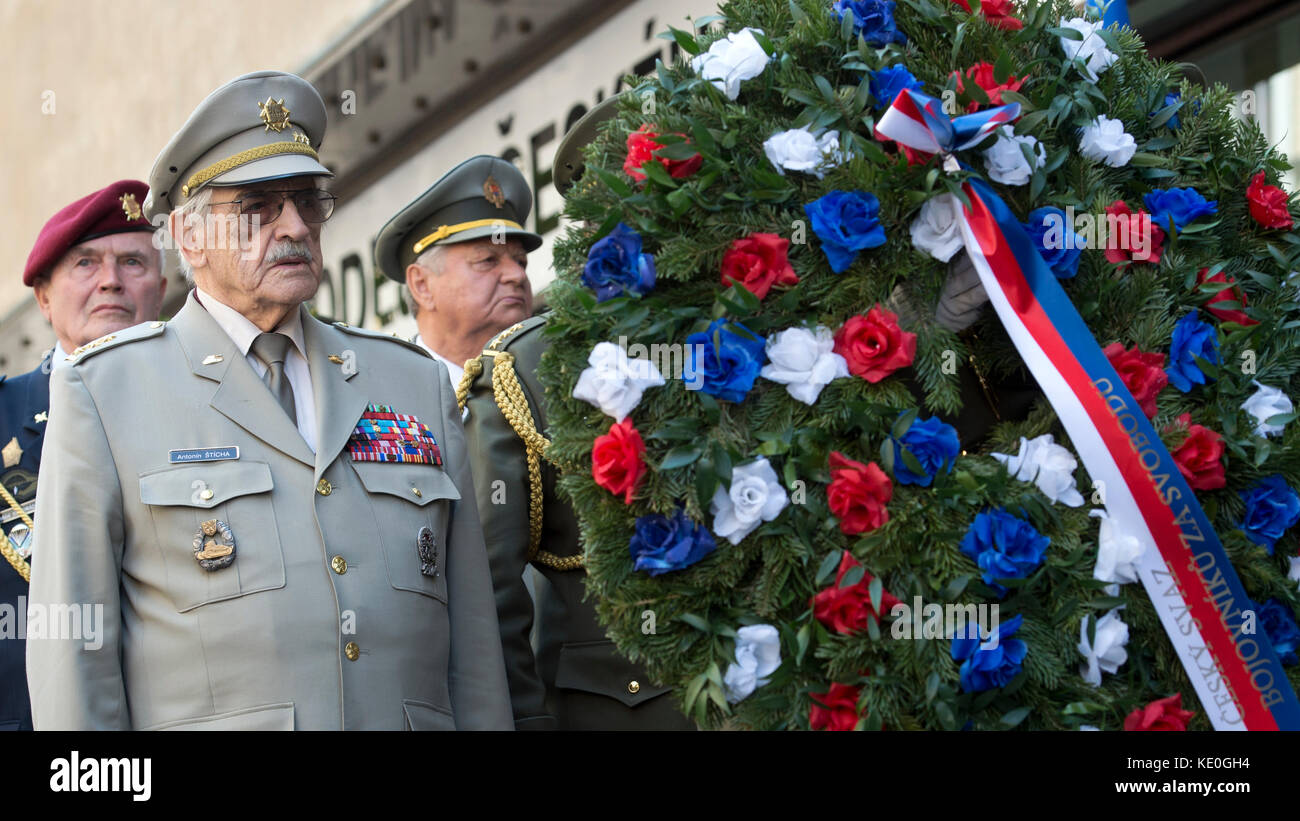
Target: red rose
x,y
874,345
1142,373
641,146
1165,714
616,460
1199,456
1268,204
982,74
1127,234
1233,294
847,609
758,262
858,494
997,12
836,709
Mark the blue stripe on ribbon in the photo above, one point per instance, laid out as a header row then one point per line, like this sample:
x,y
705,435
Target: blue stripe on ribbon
x,y
1056,304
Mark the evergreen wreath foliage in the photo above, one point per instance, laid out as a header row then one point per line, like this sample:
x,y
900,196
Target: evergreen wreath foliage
x,y
682,624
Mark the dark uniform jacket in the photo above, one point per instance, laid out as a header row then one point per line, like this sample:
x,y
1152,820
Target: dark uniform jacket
x,y
576,680
23,400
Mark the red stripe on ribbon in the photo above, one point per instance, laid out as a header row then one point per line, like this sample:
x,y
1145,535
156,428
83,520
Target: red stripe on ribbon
x,y
1158,515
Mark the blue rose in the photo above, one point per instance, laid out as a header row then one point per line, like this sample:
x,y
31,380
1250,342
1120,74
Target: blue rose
x,y
727,372
888,83
846,222
873,19
1171,98
1280,627
1004,547
1182,205
616,266
1056,240
988,665
1271,508
661,544
934,445
1192,338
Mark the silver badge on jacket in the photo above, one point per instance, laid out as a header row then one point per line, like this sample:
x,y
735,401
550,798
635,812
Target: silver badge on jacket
x,y
214,545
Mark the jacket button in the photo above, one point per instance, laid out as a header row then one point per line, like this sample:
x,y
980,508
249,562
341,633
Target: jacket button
x,y
206,494
324,488
633,687
339,564
417,492
352,651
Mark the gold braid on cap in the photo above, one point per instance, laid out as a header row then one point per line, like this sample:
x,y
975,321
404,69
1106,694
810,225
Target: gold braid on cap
x,y
509,395
6,549
445,231
261,152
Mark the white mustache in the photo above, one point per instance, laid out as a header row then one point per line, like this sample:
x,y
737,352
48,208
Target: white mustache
x,y
285,250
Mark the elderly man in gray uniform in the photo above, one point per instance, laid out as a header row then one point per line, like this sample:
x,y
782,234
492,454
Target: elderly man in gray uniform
x,y
276,515
462,251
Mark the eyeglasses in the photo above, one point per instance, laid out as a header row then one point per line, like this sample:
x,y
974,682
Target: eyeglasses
x,y
314,206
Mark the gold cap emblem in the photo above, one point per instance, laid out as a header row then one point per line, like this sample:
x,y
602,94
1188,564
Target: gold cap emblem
x,y
130,207
12,453
274,114
492,192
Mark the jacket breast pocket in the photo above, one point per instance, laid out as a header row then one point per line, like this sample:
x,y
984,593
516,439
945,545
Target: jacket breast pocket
x,y
233,501
413,505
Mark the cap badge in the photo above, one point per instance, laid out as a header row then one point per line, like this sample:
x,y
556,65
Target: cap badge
x,y
130,207
12,452
492,192
300,137
274,114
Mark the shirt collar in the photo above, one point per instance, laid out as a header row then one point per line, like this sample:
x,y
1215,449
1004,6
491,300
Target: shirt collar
x,y
58,356
242,331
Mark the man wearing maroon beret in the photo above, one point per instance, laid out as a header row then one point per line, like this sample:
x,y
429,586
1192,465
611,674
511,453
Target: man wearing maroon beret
x,y
94,270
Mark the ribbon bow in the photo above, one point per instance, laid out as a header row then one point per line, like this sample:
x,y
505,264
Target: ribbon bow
x,y
917,121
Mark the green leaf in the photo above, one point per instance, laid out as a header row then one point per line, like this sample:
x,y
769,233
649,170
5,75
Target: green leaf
x,y
684,39
1069,34
944,713
797,14
1079,708
714,674
1142,158
722,462
956,586
677,151
828,566
956,40
614,183
911,462
1163,115
706,482
695,621
679,201
693,690
657,173
718,697
1016,716
680,456
1262,449
887,455
1002,68
931,686
824,87
875,590
846,25
762,40
1198,227
1026,105
801,643
904,421
852,577
1281,419
703,138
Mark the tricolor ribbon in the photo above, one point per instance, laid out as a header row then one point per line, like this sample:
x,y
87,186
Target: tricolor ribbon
x,y
1191,582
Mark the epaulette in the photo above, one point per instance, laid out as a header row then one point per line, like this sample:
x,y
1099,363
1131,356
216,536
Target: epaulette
x,y
144,330
506,338
390,337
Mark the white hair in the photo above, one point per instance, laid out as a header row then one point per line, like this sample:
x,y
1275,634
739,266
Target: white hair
x,y
431,259
194,205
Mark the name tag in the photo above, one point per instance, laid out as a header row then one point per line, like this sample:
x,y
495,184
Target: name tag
x,y
202,454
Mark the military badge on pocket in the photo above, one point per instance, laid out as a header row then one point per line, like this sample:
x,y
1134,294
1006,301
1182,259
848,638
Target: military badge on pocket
x,y
214,545
427,546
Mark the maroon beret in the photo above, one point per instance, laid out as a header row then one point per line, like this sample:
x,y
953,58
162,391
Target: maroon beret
x,y
112,210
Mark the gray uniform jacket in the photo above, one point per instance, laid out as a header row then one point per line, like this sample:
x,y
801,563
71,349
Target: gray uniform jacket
x,y
324,620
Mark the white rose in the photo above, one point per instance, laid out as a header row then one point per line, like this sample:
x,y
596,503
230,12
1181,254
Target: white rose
x,y
1264,403
755,496
1091,49
937,231
758,654
1118,554
1294,575
1107,653
1006,161
1105,140
1046,464
615,383
804,361
800,150
731,60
